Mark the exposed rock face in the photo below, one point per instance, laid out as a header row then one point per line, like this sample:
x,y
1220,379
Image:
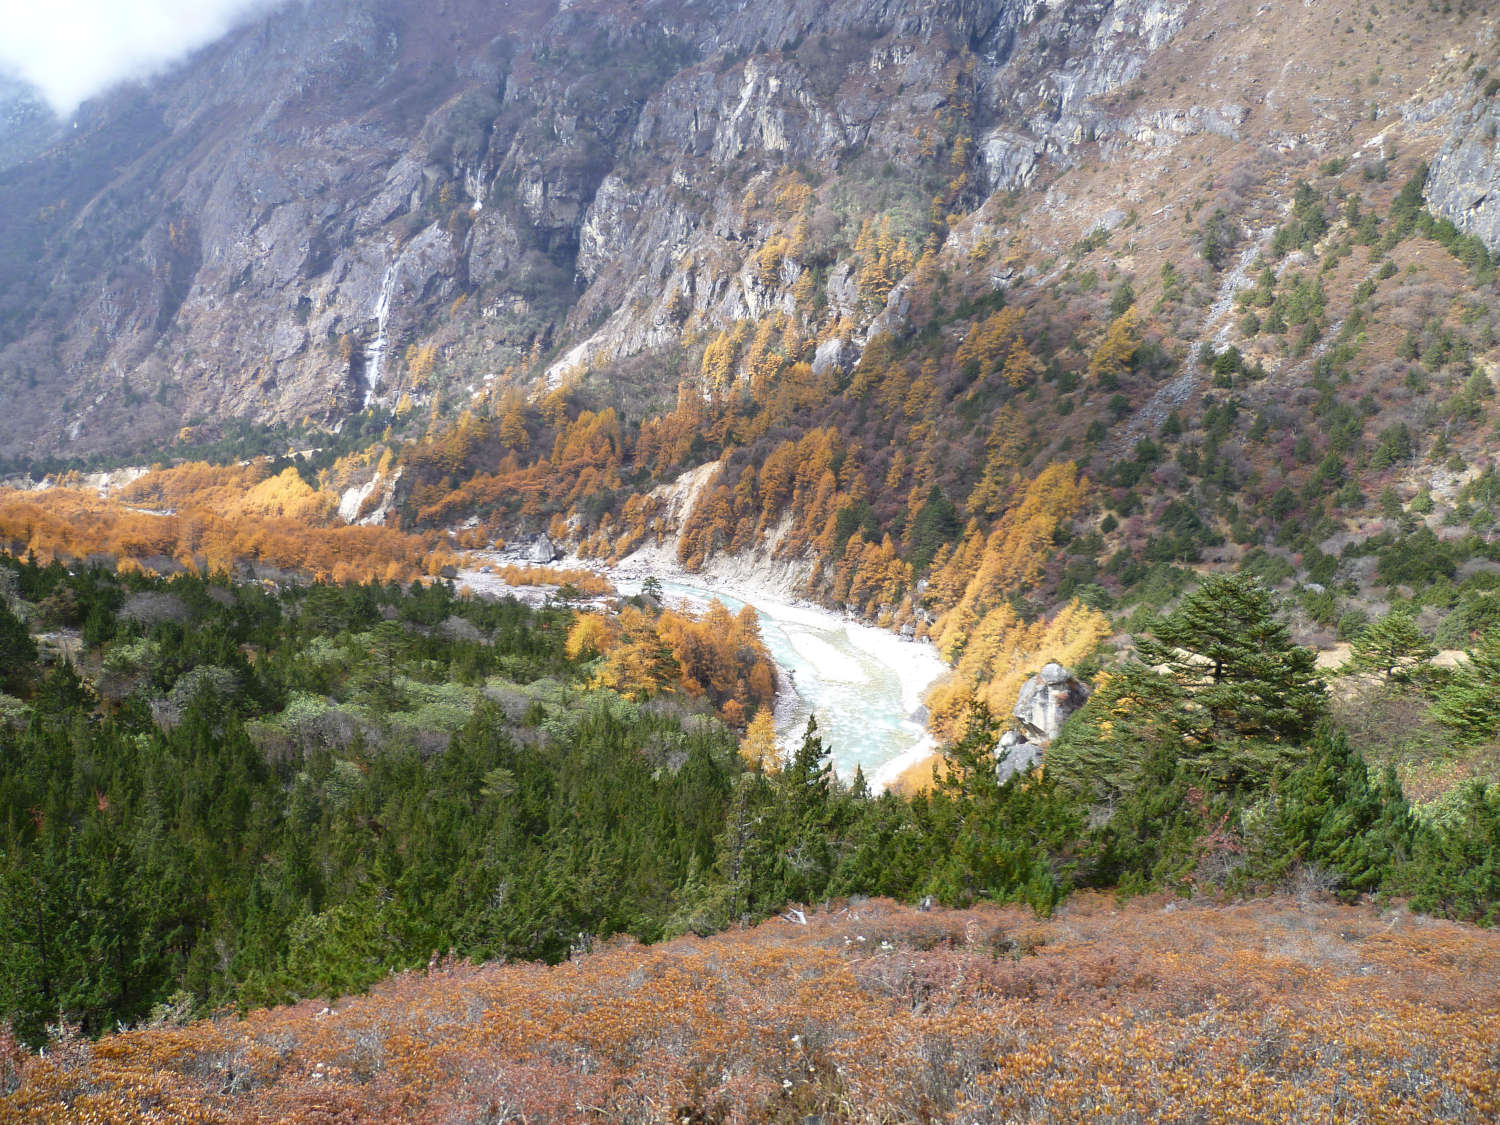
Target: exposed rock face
x,y
1463,184
26,124
1042,705
266,231
1047,699
542,551
1015,754
863,82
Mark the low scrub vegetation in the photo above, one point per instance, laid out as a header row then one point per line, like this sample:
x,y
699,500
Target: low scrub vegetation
x,y
1278,1010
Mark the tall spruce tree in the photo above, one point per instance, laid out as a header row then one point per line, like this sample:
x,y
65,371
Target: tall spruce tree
x,y
17,649
1331,812
1393,648
935,523
800,825
1225,645
1105,748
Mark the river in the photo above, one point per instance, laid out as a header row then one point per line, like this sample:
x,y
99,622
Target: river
x,y
864,684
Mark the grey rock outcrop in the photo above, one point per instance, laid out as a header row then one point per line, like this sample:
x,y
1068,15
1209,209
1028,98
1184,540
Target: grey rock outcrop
x,y
27,125
542,551
1043,704
1015,754
1463,184
1047,699
832,352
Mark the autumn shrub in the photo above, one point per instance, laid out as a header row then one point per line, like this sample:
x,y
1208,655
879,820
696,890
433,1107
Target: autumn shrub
x,y
1274,1011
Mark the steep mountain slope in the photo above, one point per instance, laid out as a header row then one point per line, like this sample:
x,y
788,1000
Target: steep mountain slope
x,y
991,323
267,231
26,124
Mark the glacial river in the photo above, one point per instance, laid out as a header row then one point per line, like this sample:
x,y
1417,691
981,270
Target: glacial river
x,y
864,684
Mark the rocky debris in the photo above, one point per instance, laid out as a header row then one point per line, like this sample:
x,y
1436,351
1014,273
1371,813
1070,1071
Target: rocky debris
x,y
1015,754
1463,185
542,551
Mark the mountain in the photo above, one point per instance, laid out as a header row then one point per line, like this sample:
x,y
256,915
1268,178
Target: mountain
x,y
960,316
1151,338
26,123
535,188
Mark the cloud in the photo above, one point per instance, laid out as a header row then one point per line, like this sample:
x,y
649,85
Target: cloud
x,y
74,49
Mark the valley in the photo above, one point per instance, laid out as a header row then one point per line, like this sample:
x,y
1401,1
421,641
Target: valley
x,y
453,451
864,686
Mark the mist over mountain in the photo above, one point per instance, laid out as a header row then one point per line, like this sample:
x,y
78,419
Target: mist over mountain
x,y
75,49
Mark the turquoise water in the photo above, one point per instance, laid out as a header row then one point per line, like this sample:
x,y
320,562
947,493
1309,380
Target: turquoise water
x,y
847,674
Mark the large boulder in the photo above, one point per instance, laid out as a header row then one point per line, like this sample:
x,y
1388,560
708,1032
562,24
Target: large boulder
x,y
1015,754
1046,700
543,551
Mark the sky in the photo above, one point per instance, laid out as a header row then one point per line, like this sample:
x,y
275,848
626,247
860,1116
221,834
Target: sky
x,y
74,49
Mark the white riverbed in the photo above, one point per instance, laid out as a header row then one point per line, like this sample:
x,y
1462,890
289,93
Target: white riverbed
x,y
864,684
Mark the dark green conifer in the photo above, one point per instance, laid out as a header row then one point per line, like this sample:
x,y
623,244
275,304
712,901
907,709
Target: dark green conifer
x,y
1469,703
1393,648
17,650
1225,647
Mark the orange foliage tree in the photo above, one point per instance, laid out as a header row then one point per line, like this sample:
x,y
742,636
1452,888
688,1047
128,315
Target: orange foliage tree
x,y
238,521
719,656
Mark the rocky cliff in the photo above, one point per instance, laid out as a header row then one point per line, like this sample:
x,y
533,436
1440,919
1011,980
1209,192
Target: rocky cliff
x,y
26,124
379,204
1464,183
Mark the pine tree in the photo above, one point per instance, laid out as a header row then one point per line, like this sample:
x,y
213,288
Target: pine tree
x,y
1455,869
1104,749
935,523
1116,351
17,650
1331,813
1470,702
1224,645
801,820
1392,647
996,840
386,645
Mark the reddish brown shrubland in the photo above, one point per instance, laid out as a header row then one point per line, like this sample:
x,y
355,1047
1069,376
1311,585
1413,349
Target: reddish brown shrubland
x,y
1269,1011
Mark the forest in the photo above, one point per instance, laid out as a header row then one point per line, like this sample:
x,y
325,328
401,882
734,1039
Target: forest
x,y
219,795
1010,469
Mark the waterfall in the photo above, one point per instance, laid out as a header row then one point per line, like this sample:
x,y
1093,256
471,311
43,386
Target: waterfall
x,y
375,351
